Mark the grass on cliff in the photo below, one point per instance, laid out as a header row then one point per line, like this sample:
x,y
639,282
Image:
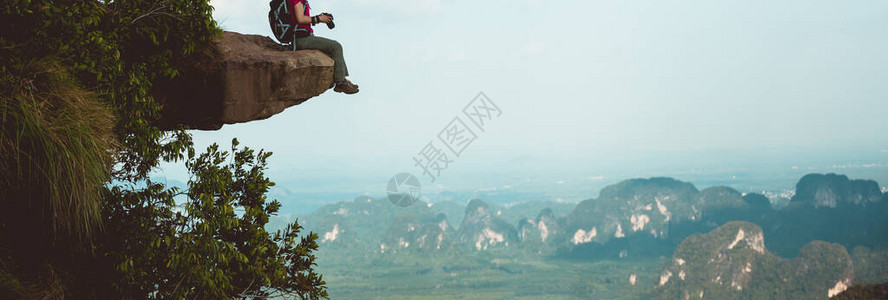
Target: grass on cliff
x,y
56,150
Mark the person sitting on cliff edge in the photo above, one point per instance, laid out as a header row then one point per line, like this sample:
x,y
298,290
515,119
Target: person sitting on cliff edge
x,y
303,19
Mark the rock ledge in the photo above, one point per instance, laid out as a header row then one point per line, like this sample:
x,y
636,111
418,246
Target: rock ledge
x,y
250,77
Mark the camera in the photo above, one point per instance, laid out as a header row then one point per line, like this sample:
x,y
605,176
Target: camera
x,y
330,24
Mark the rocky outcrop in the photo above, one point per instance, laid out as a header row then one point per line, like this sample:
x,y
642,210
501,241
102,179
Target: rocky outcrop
x,y
731,262
249,77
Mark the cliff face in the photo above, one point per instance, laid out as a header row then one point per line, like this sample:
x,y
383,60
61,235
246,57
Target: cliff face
x,y
249,77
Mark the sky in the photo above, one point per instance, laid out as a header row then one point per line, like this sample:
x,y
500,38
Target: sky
x,y
585,87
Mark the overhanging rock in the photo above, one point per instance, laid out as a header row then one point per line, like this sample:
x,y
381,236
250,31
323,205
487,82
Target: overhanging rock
x,y
249,78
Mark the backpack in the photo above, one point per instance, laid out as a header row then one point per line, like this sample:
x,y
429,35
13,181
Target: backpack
x,y
283,29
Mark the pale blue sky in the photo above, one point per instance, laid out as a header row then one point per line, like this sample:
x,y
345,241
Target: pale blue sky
x,y
582,84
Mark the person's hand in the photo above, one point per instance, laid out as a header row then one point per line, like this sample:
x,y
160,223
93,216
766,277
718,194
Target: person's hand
x,y
324,18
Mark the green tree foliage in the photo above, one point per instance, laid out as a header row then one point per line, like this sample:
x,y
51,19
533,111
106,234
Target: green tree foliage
x,y
208,241
78,142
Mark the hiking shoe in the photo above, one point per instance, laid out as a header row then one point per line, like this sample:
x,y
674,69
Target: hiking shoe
x,y
332,85
346,87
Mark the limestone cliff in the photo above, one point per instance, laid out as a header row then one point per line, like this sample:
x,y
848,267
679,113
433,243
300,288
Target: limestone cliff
x,y
247,78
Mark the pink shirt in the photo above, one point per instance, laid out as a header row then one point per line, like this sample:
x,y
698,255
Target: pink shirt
x,y
292,4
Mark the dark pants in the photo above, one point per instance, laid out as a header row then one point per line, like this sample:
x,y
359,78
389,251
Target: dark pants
x,y
331,48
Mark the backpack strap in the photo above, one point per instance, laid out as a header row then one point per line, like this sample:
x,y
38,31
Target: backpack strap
x,y
281,20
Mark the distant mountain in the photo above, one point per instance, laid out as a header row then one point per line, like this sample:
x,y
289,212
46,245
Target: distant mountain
x,y
366,225
720,198
453,210
422,234
731,262
831,208
515,212
482,230
757,202
833,191
511,213
644,206
536,235
649,216
637,217
542,228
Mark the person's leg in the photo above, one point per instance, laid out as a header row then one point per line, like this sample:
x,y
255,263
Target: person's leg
x,y
331,48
